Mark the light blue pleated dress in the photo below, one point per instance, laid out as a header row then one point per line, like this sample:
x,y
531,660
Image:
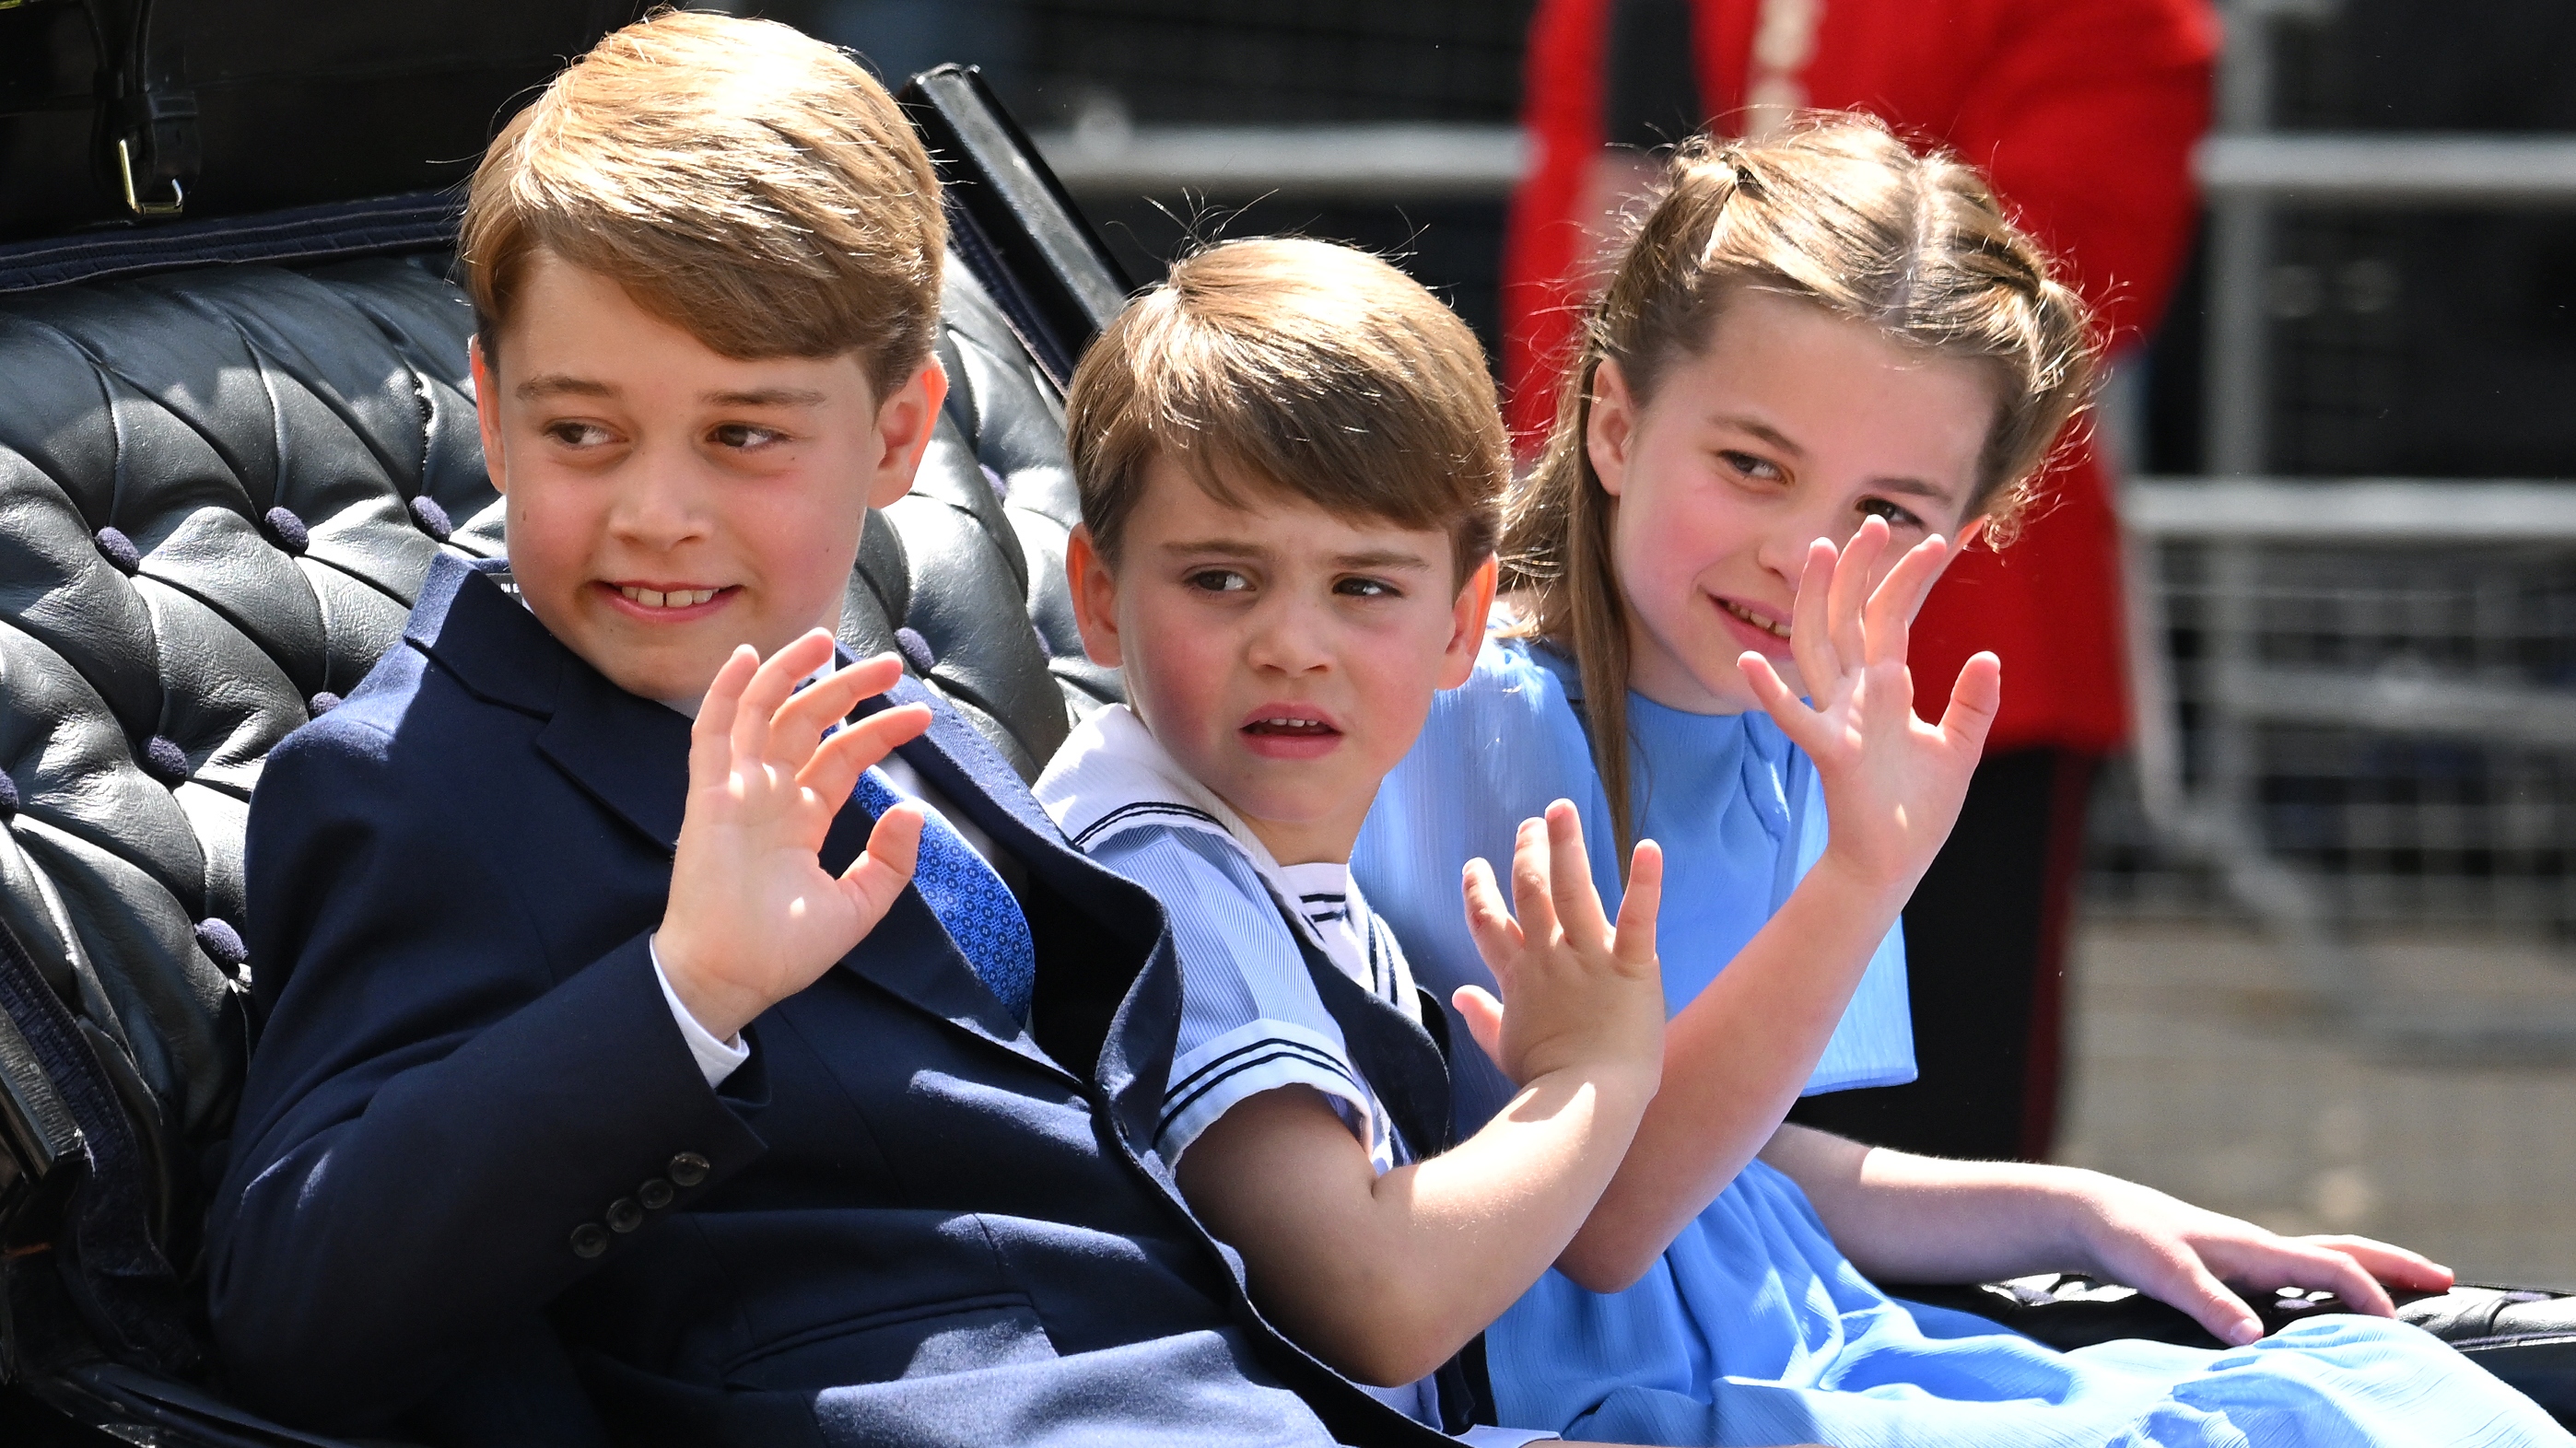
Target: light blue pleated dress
x,y
1753,1328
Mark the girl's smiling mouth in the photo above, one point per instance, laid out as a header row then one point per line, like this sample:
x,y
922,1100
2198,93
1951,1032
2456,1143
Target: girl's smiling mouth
x,y
1764,633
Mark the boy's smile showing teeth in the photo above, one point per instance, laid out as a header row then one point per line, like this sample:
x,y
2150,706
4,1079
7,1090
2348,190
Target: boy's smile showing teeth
x,y
666,599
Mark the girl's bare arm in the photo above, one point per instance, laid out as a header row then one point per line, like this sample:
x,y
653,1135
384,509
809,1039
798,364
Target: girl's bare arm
x,y
1904,1218
1735,1058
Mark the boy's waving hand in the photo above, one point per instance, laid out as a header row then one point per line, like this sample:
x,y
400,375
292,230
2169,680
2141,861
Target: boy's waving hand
x,y
1575,991
754,917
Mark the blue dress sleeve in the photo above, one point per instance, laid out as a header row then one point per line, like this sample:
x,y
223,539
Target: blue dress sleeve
x,y
1873,1044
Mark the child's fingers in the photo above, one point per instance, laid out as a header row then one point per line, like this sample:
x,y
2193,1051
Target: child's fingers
x,y
835,768
1851,590
1920,568
1531,885
770,685
2393,1265
1893,603
2336,1272
879,874
1794,718
711,735
828,701
1484,1017
1569,869
1973,702
1811,640
2211,1303
1489,921
1635,942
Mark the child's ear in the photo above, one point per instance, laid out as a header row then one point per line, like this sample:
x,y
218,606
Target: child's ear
x,y
1467,624
905,421
1610,426
1095,599
487,414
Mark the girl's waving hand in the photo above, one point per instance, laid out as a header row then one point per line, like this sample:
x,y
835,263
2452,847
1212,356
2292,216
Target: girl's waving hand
x,y
1893,784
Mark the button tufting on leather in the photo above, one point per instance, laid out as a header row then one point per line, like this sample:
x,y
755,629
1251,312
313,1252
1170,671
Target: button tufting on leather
x,y
164,760
916,649
8,797
289,531
433,519
119,550
236,387
222,944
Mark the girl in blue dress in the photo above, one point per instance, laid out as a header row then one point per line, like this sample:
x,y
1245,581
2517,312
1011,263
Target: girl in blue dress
x,y
1822,364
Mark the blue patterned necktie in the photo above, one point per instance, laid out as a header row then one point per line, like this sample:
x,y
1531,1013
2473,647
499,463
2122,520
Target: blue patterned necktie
x,y
969,899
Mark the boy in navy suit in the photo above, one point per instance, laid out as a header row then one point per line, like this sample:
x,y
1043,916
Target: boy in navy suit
x,y
768,1079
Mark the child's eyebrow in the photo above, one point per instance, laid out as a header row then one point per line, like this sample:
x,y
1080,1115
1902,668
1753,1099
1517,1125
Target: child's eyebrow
x,y
1219,547
1377,559
766,397
1381,559
1762,430
561,384
1915,488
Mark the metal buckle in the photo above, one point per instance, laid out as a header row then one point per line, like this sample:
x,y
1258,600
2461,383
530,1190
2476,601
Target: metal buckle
x,y
177,203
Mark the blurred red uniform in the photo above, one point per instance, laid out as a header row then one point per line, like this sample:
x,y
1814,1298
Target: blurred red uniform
x,y
2084,114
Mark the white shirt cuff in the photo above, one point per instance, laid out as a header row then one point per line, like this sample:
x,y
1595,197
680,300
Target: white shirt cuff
x,y
716,1059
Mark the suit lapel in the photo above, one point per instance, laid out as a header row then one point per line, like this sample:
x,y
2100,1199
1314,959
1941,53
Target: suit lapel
x,y
630,754
953,757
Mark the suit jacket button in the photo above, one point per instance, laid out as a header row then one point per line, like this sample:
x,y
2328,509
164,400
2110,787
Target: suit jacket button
x,y
655,1194
589,1240
688,1169
624,1216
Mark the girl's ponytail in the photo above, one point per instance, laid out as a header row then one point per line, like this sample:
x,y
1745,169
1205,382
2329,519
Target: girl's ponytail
x,y
1834,211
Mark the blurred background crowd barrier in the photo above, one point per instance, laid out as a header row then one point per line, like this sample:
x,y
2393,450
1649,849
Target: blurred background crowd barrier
x,y
2324,964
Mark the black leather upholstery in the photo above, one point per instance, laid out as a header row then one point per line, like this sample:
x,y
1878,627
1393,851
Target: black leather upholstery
x,y
216,494
219,490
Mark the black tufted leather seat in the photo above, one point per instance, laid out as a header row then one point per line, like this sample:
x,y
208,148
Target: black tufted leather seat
x,y
219,491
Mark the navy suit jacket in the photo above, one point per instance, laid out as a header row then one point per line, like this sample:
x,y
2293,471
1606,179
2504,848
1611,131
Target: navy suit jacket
x,y
481,1192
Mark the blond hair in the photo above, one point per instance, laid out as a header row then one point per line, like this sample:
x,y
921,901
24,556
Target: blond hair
x,y
1836,212
750,186
1300,365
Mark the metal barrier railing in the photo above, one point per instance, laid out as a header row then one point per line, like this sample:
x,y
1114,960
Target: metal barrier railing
x,y
1342,162
2357,701
2343,629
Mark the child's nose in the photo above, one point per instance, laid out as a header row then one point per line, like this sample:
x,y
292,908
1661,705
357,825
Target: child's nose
x,y
656,500
1784,549
1287,635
